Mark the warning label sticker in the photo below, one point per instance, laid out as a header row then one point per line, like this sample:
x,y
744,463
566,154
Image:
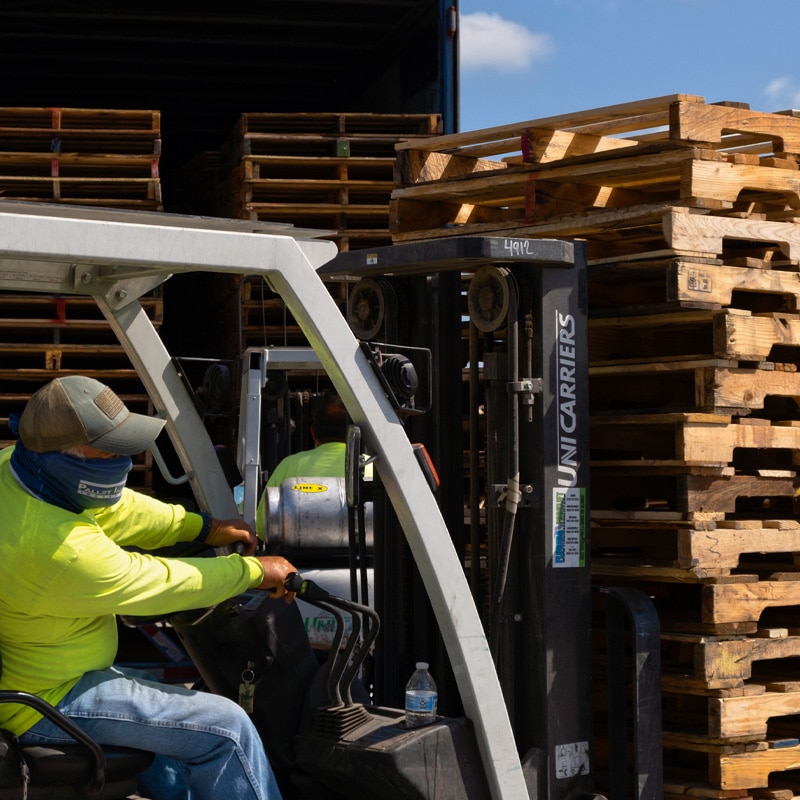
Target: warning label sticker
x,y
572,759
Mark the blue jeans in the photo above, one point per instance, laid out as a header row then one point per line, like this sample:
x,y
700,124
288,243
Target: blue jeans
x,y
206,746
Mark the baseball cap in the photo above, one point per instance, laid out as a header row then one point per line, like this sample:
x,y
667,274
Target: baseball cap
x,y
78,410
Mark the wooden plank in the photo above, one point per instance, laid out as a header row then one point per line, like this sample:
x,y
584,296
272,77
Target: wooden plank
x,y
705,123
743,770
543,145
708,233
683,438
725,181
692,284
731,717
725,547
340,122
748,337
729,334
699,282
745,602
718,661
620,489
703,384
620,117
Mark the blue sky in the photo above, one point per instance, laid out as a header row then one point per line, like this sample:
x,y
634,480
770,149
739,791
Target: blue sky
x,y
526,59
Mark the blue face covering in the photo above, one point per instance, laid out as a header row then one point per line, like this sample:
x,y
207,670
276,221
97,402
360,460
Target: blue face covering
x,y
71,482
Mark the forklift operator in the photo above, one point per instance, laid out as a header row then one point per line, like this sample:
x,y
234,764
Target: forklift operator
x,y
67,520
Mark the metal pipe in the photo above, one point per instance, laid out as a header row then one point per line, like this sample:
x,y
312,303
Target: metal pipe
x,y
474,465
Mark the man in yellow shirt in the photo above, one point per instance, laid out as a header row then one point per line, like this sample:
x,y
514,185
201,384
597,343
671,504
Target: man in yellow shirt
x,y
65,573
325,460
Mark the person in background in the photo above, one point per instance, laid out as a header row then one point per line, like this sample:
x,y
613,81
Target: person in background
x,y
326,458
67,519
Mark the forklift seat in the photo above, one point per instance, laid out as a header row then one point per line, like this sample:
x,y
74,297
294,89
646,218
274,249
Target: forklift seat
x,y
80,771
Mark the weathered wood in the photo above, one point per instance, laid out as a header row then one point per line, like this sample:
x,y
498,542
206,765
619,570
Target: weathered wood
x,y
681,174
751,338
690,550
708,233
718,661
684,438
723,548
705,123
717,284
543,145
618,488
618,118
743,770
703,384
689,284
745,602
730,717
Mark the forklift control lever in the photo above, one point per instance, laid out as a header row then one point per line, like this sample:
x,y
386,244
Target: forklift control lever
x,y
306,589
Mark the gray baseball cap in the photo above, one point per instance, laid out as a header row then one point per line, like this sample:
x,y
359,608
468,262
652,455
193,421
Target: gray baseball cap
x,y
77,410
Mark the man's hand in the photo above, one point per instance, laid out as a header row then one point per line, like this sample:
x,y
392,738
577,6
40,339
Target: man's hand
x,y
225,532
276,570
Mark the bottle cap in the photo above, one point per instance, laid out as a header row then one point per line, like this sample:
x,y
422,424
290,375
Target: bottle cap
x,y
422,665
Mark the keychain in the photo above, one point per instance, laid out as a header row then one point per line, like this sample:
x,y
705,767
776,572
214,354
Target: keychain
x,y
247,688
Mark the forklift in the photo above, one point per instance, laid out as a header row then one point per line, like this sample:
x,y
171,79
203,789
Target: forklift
x,y
507,622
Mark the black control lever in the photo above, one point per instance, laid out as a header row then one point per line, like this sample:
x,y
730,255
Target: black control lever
x,y
306,589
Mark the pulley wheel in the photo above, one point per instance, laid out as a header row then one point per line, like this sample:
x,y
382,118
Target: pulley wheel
x,y
365,308
488,298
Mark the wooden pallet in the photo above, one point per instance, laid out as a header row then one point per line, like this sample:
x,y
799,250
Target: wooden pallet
x,y
697,177
326,134
683,283
682,119
736,769
34,319
728,334
80,131
675,147
746,717
693,550
690,439
742,770
690,494
710,385
81,156
746,602
337,174
78,165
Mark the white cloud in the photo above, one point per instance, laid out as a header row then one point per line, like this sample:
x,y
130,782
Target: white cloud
x,y
487,41
783,92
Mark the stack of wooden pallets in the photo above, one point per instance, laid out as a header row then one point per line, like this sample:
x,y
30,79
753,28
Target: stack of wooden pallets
x,y
48,336
332,172
318,170
92,157
81,156
691,216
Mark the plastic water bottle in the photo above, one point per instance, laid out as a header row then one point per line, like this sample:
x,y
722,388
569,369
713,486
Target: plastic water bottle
x,y
421,697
